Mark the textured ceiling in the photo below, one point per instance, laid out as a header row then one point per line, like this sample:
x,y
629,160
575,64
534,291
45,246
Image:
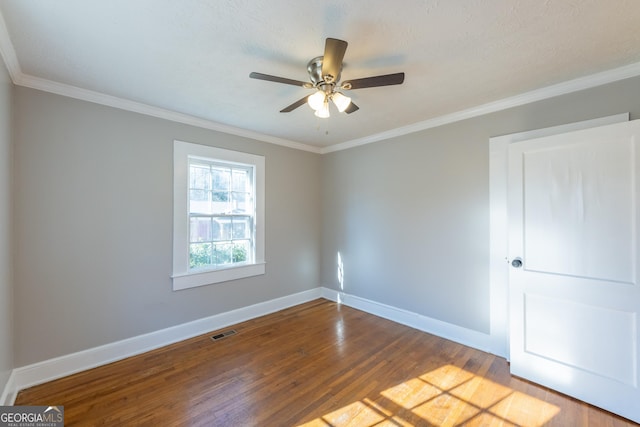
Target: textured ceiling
x,y
194,56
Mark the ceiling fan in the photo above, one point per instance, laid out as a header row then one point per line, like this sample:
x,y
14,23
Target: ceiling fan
x,y
324,73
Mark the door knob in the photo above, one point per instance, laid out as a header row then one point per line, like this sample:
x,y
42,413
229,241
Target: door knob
x,y
517,262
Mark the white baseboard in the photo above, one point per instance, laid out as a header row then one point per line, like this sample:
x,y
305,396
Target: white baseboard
x,y
10,391
47,370
442,329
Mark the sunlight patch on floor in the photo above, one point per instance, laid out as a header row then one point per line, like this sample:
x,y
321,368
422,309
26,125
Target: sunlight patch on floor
x,y
411,393
446,396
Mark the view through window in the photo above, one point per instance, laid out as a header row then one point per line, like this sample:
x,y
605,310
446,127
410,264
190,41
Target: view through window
x,y
221,214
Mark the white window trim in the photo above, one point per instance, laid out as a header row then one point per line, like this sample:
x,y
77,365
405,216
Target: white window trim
x,y
183,277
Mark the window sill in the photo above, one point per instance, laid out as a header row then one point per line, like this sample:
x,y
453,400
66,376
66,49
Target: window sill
x,y
209,277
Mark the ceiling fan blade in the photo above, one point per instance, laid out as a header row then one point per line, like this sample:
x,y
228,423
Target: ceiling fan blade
x,y
295,105
334,50
351,108
276,79
385,80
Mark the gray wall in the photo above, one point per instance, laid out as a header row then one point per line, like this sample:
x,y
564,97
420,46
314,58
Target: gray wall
x,y
6,297
93,226
410,215
93,203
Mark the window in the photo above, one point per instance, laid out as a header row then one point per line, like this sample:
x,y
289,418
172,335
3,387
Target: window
x,y
221,212
218,215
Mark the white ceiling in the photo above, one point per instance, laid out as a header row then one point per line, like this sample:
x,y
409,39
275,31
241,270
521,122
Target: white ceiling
x,y
194,56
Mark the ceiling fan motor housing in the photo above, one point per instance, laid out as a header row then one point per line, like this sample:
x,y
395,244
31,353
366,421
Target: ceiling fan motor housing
x,y
314,68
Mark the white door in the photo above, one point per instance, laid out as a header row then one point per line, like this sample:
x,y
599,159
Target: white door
x,y
574,222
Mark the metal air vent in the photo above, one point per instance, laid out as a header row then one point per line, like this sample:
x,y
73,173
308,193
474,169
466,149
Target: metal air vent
x,y
223,335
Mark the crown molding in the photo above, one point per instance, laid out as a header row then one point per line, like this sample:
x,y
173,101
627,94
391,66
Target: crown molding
x,y
586,82
7,52
138,107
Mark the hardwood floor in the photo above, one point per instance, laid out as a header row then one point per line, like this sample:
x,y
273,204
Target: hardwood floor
x,y
316,364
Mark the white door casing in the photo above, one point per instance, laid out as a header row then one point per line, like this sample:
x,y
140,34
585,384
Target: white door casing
x,y
573,220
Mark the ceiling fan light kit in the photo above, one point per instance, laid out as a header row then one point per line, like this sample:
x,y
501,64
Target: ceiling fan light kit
x,y
319,101
316,101
323,112
324,73
340,101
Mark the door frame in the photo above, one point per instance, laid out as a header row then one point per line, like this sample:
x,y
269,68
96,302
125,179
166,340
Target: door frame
x,y
499,224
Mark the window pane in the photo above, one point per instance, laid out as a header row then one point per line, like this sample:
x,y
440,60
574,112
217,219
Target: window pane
x,y
199,201
221,178
199,195
199,255
241,202
222,253
221,229
220,202
199,176
200,229
241,228
240,180
240,251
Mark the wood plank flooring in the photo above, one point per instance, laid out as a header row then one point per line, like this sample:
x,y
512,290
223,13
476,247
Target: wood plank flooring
x,y
316,364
